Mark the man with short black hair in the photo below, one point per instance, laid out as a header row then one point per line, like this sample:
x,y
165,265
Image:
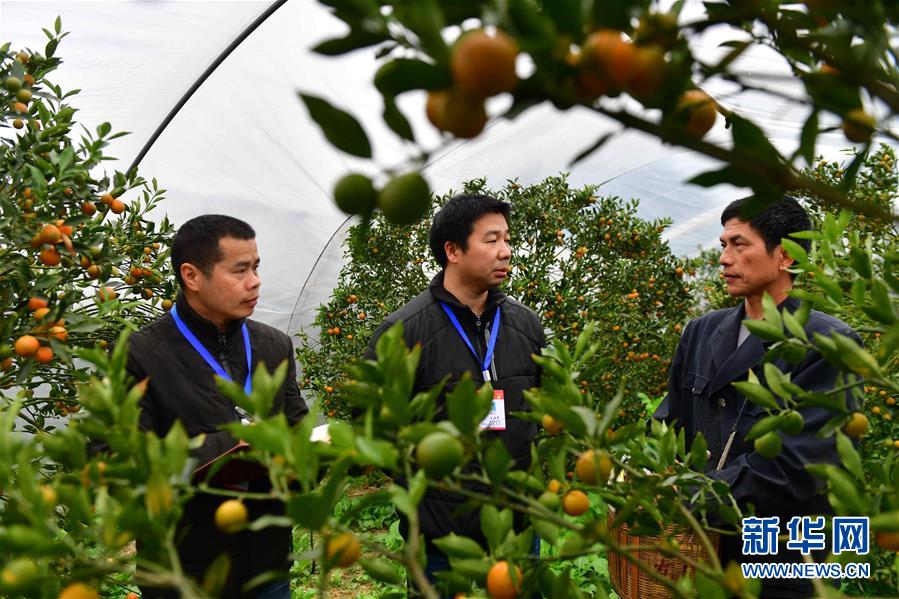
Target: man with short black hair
x,y
717,350
209,332
465,324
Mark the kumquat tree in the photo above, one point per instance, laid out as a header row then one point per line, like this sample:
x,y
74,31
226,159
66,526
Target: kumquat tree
x,y
607,486
631,61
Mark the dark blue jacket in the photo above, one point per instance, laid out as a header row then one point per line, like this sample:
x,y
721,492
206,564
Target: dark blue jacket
x,y
701,399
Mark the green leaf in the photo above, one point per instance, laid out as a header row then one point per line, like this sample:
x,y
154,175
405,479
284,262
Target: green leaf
x,y
573,545
354,40
269,521
757,394
888,521
528,482
808,137
588,417
881,308
417,487
729,175
737,49
457,11
65,159
765,425
832,425
471,568
38,180
698,452
772,314
269,435
400,499
460,405
547,531
852,170
381,569
309,510
352,11
749,138
667,449
339,127
765,330
497,461
615,14
494,525
849,456
217,574
860,262
406,74
535,30
454,545
793,326
425,19
846,492
794,250
856,358
707,588
566,15
396,120
775,380
889,343
377,452
591,148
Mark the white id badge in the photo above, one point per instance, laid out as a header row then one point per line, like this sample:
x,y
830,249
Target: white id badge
x,y
496,419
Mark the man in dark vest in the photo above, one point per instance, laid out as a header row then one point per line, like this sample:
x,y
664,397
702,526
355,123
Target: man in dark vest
x,y
465,324
209,332
716,350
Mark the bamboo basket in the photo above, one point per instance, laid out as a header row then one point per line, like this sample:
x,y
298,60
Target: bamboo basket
x,y
632,583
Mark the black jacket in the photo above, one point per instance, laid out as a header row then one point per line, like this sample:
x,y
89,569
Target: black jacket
x,y
701,399
181,386
443,352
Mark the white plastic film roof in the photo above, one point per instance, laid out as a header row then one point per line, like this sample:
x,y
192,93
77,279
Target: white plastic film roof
x,y
244,144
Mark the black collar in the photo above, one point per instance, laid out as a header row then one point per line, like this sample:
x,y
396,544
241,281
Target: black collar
x,y
202,327
495,296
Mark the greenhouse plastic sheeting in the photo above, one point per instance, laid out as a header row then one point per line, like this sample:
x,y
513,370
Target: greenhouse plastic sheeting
x,y
244,144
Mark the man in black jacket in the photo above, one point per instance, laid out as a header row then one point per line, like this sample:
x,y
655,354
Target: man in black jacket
x,y
206,333
716,350
466,324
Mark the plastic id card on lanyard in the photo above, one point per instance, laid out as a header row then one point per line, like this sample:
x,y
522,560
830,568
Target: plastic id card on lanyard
x,y
496,419
213,363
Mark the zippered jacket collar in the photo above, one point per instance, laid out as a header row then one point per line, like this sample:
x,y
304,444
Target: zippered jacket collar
x,y
495,297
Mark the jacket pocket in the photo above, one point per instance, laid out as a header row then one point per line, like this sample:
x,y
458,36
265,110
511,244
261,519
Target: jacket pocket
x,y
695,383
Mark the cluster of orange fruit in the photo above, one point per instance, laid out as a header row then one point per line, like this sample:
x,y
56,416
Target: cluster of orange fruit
x,y
30,345
111,199
21,92
482,65
884,414
609,63
48,237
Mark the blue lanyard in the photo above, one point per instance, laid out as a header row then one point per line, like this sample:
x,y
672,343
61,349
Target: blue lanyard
x,y
491,345
213,363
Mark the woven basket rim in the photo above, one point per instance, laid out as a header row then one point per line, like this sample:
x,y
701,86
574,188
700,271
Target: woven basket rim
x,y
632,583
